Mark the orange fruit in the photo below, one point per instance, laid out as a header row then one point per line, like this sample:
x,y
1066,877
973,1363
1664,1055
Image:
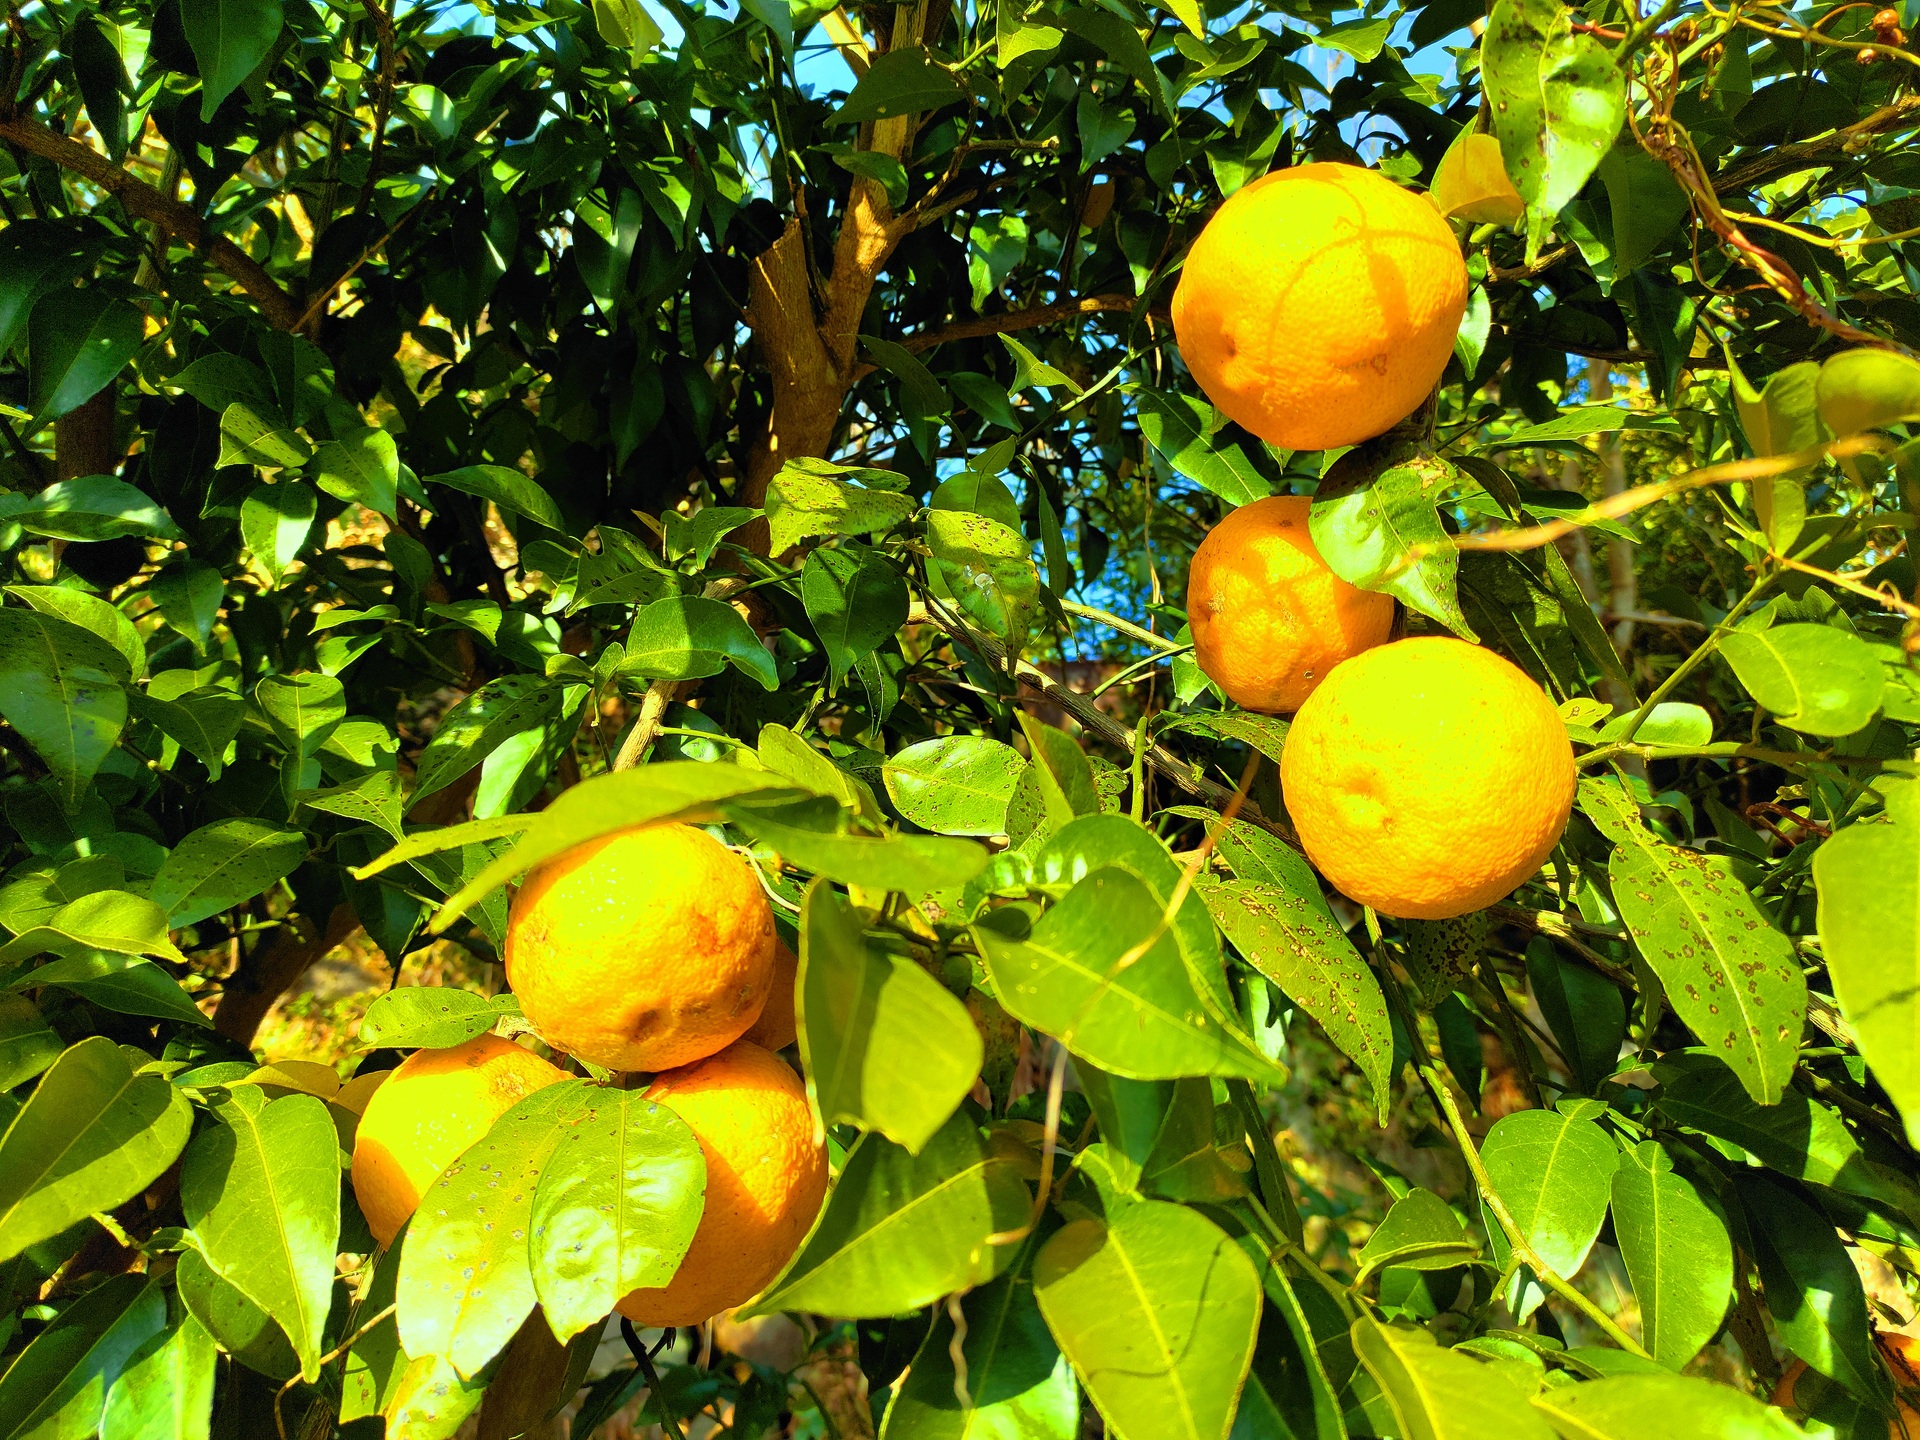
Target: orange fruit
x,y
766,1177
431,1108
776,1028
1427,778
643,950
1320,304
1269,619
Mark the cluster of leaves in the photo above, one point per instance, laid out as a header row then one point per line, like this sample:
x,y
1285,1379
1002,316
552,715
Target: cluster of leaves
x,y
433,443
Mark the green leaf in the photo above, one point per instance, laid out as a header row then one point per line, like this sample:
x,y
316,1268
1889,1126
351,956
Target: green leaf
x,y
1584,1010
221,378
626,25
1554,1172
37,256
912,864
371,1371
93,507
901,1230
1030,370
1017,1385
89,612
806,499
1631,1407
1867,389
921,396
1419,1232
301,710
91,1137
1158,1310
220,865
373,799
77,342
230,38
429,1017
466,1280
1647,205
855,600
1439,1394
481,723
238,1326
27,1043
189,596
59,688
249,438
1184,430
1813,1291
58,1385
1729,975
1678,1254
361,467
615,1207
1795,1136
1143,1019
1558,101
261,1193
1869,921
1285,931
202,721
902,82
956,785
1383,533
687,637
884,1045
121,983
166,1390
989,568
1815,678
513,492
112,920
275,521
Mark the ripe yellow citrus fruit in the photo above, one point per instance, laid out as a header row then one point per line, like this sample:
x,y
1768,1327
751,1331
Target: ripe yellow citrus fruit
x,y
766,1177
776,1028
433,1106
1320,304
1269,619
644,950
1428,778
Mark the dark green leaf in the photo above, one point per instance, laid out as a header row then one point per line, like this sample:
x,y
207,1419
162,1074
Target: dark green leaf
x,y
78,342
856,599
93,507
1419,1233
229,39
59,688
58,1385
513,492
685,638
1383,533
1184,430
899,83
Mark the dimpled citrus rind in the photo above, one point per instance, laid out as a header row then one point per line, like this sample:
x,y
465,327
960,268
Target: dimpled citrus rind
x,y
433,1106
644,950
1319,306
1270,620
778,1026
1428,778
766,1178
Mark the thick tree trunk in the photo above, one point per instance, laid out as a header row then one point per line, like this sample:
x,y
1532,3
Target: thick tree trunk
x,y
264,976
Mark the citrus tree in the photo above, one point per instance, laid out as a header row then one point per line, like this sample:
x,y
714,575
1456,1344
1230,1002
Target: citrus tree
x,y
691,505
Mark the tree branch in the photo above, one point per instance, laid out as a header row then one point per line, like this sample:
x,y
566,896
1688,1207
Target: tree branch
x,y
1785,159
144,202
1017,320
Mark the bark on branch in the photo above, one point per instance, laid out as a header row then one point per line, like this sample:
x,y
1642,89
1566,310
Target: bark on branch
x,y
144,202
